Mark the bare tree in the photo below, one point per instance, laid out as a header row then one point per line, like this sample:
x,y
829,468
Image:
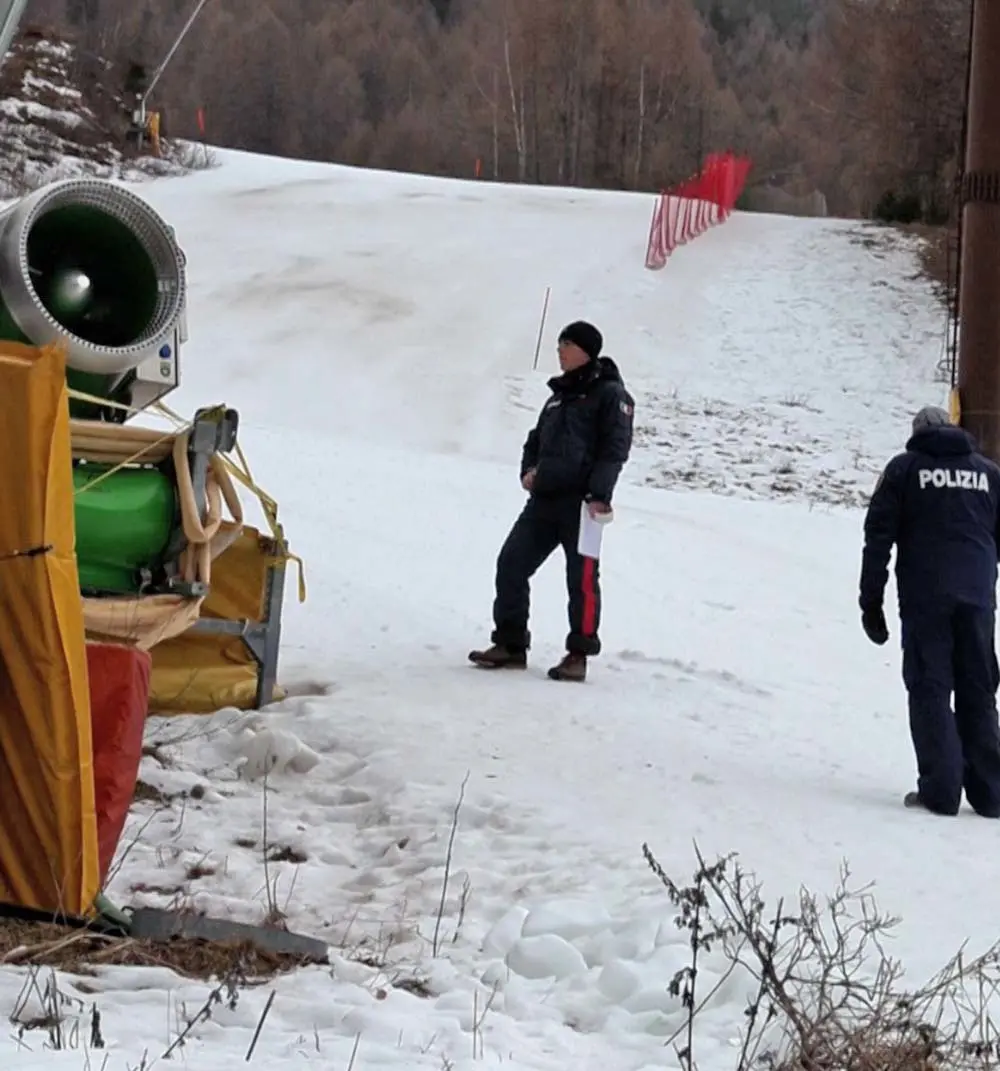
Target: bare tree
x,y
859,98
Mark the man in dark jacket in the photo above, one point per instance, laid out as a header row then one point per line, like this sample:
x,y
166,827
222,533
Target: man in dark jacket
x,y
572,456
939,503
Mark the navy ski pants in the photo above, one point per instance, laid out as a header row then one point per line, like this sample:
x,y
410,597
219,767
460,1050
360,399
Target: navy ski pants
x,y
951,650
543,525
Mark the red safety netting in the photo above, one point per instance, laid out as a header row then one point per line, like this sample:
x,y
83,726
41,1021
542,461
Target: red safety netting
x,y
691,207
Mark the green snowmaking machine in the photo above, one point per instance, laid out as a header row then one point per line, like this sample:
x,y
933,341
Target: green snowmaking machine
x,y
86,262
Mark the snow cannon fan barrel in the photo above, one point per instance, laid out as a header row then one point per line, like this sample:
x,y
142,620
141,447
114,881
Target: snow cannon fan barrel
x,y
91,264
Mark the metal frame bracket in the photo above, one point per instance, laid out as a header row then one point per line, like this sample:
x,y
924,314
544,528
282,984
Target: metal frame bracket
x,y
262,638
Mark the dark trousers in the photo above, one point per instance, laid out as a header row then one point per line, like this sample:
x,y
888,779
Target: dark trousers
x,y
951,650
543,525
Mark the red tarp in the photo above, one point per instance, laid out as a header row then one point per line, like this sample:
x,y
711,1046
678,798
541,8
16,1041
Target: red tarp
x,y
119,697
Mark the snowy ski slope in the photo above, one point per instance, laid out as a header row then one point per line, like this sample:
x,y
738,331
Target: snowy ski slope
x,y
376,332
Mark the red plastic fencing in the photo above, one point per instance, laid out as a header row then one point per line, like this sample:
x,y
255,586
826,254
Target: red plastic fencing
x,y
691,207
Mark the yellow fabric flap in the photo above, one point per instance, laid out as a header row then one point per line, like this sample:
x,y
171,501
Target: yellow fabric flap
x,y
48,837
197,673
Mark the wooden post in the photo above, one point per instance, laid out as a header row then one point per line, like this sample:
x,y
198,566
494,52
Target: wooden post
x,y
979,292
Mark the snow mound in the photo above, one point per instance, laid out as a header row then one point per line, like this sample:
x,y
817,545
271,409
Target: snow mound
x,y
430,945
269,751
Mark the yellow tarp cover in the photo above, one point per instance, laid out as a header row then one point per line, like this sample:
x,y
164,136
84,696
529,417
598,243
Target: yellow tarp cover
x,y
48,829
197,673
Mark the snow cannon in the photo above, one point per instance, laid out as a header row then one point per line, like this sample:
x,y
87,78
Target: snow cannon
x,y
88,263
93,288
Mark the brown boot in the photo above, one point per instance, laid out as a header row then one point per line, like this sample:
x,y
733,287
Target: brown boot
x,y
499,657
572,668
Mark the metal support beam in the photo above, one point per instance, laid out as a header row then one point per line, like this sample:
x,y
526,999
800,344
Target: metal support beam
x,y
11,13
262,638
139,115
170,54
213,431
979,293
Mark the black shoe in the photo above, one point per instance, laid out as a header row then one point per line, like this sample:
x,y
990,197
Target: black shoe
x,y
913,801
499,657
572,668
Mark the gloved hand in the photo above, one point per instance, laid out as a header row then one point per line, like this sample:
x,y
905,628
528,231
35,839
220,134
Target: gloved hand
x,y
873,622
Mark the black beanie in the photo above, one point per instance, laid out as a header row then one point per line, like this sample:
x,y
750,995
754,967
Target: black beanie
x,y
584,335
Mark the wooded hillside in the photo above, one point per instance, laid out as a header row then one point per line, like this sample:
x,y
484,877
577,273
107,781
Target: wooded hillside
x,y
855,98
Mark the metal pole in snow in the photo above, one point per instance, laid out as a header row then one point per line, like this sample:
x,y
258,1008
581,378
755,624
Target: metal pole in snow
x,y
170,55
541,326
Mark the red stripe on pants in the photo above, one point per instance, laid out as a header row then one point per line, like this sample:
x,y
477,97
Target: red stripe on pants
x,y
589,600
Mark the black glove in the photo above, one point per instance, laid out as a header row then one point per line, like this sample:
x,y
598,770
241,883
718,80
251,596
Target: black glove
x,y
873,622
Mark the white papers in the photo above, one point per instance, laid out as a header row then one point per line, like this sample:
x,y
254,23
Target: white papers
x,y
588,541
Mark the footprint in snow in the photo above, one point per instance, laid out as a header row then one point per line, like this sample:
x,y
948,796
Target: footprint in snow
x,y
692,670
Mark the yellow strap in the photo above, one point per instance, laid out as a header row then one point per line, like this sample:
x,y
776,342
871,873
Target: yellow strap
x,y
270,509
267,503
93,399
122,464
955,406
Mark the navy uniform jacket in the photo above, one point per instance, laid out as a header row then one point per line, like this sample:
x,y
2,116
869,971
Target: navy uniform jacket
x,y
583,436
939,503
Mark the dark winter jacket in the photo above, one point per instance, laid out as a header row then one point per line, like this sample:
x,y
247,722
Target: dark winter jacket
x,y
939,503
583,435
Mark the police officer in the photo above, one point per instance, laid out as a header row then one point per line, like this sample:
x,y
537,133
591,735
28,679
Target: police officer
x,y
939,503
572,456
